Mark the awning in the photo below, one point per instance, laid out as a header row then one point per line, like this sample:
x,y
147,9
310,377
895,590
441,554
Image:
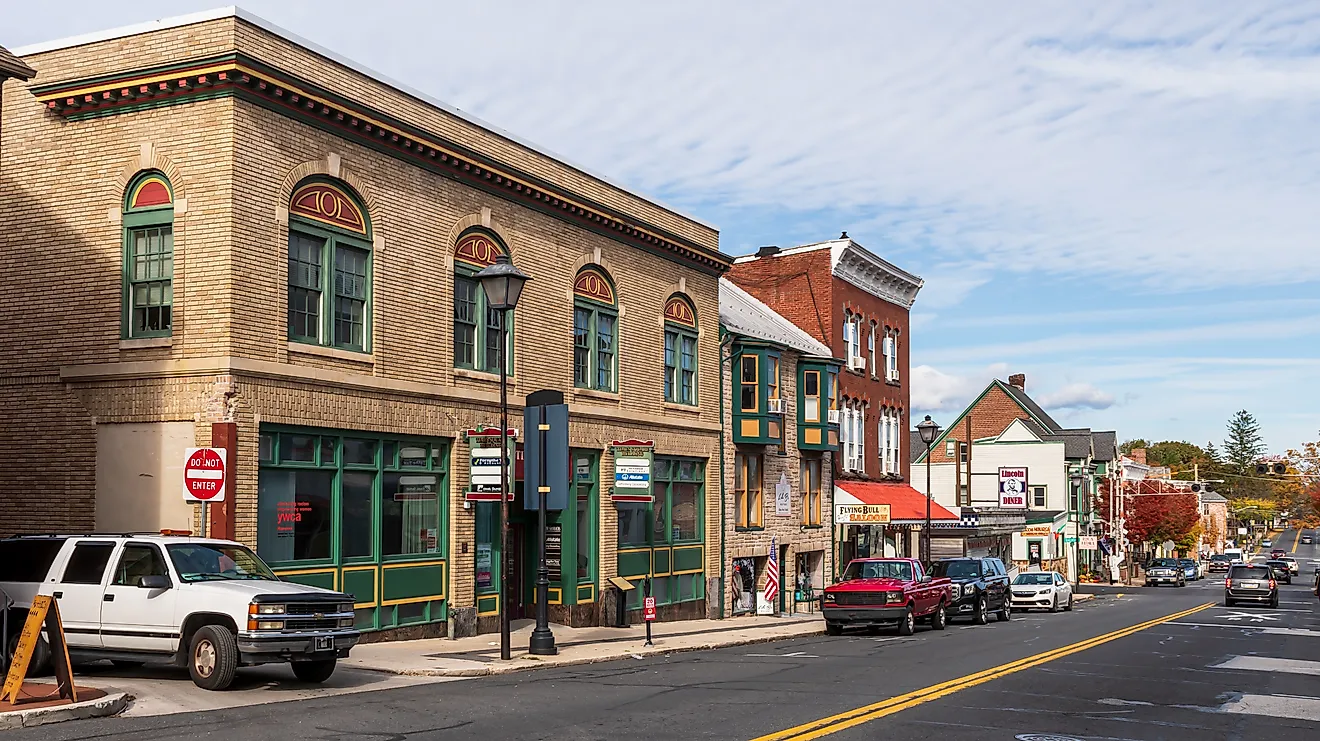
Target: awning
x,y
907,506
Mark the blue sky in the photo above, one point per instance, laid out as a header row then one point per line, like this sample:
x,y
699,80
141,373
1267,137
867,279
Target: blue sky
x,y
1117,199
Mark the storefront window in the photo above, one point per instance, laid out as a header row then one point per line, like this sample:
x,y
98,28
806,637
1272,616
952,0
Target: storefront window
x,y
410,514
356,503
487,527
295,515
298,448
360,452
634,523
584,477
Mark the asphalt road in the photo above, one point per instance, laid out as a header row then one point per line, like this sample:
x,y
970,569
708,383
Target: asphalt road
x,y
1220,673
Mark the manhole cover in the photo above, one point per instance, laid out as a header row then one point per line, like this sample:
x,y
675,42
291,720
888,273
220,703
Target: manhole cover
x,y
1044,737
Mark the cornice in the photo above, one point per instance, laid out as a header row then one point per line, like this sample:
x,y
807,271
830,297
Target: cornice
x,y
877,277
242,76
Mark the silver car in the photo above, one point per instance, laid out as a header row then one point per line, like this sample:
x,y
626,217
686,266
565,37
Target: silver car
x,y
1041,590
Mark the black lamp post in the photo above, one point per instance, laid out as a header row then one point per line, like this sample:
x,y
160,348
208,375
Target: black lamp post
x,y
928,431
503,284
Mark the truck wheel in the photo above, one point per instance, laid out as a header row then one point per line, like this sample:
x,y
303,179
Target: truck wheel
x,y
314,671
1005,612
39,666
982,615
213,657
940,619
833,629
908,625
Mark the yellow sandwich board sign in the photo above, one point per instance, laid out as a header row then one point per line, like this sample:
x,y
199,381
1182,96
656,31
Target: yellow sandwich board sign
x,y
45,612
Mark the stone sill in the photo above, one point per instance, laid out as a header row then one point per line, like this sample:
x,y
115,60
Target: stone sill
x,y
484,376
608,396
670,406
143,343
300,348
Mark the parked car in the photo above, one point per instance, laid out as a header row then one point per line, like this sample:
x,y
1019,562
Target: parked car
x,y
1249,582
210,605
1191,571
1165,571
979,586
1219,562
886,592
1041,590
1279,568
1293,566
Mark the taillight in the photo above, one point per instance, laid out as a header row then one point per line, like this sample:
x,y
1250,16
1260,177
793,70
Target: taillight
x,y
1228,584
1272,584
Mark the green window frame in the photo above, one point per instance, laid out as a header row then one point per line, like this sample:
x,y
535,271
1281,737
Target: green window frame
x,y
749,381
477,327
677,483
148,259
595,345
680,365
330,275
586,489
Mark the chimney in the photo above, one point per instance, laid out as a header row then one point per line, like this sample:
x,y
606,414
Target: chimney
x,y
767,251
1139,455
1019,380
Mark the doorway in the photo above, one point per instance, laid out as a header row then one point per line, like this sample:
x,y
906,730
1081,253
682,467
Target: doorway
x,y
513,591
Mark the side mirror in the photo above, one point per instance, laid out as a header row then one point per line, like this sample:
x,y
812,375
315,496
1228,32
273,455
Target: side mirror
x,y
154,582
926,578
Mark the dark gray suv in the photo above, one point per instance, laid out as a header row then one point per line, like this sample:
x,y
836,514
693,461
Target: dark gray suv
x,y
1251,583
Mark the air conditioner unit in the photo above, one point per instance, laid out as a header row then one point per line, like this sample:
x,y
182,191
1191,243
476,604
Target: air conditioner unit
x,y
892,376
775,406
857,363
834,416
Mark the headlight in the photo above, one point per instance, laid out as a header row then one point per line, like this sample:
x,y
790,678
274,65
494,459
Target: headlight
x,y
345,622
270,609
346,607
893,597
829,597
270,625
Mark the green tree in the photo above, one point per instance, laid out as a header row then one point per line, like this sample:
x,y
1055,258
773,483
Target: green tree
x,y
1244,444
1212,453
1175,454
1131,445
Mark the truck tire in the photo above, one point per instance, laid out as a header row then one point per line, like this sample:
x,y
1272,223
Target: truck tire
x,y
213,657
39,666
908,625
315,672
982,614
939,620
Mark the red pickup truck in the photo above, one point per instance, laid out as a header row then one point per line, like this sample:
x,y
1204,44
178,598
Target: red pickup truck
x,y
886,592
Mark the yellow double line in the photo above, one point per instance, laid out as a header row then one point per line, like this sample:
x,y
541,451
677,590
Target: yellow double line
x,y
874,711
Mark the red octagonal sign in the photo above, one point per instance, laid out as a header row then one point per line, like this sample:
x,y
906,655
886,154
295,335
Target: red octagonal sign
x,y
204,475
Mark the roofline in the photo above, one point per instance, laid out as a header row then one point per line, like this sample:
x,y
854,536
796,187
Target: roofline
x,y
788,251
993,382
233,11
880,262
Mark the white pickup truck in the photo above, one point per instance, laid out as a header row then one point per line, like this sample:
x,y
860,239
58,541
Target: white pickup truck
x,y
211,605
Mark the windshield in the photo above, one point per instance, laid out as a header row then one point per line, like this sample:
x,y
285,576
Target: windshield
x,y
957,569
215,562
1220,557
878,570
1039,579
1163,563
1186,562
1251,572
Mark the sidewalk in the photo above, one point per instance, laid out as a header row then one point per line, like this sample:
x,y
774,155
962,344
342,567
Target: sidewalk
x,y
480,656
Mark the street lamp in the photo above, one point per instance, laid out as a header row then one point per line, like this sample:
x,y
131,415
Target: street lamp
x,y
928,431
503,284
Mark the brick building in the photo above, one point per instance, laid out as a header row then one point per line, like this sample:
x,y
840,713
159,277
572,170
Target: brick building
x,y
856,304
783,384
257,245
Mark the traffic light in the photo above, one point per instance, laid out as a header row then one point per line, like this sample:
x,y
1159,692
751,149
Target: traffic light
x,y
1277,468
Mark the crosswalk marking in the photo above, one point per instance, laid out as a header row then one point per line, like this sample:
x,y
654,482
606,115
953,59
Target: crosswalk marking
x,y
1270,664
1276,706
1266,629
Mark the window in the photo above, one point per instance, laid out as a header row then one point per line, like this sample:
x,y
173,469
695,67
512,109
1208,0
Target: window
x,y
748,382
891,357
87,563
811,396
747,500
870,350
1075,495
584,478
849,341
680,351
852,434
477,327
810,482
595,331
1038,496
329,291
136,562
772,377
148,297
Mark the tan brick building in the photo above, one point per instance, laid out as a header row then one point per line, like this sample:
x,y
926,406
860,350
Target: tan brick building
x,y
782,422
228,236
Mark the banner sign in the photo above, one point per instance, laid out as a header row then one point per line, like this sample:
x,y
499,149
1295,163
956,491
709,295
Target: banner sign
x,y
1013,488
1038,531
861,514
555,418
1088,543
632,470
484,465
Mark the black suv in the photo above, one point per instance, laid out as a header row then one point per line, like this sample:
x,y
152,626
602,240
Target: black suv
x,y
1251,582
980,586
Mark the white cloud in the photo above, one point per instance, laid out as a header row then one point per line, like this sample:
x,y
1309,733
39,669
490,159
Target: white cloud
x,y
1076,396
936,391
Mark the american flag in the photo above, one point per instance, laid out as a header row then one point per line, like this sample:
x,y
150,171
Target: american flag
x,y
772,572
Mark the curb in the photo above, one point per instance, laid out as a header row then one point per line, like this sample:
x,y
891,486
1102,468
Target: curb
x,y
527,665
112,704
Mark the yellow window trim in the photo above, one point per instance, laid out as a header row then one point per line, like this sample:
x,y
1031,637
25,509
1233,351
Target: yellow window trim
x,y
756,363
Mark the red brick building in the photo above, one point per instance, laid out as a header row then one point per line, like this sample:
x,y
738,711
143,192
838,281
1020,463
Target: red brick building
x,y
857,304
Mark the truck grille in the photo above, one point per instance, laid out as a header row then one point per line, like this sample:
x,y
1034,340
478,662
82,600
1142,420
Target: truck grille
x,y
311,608
305,624
860,598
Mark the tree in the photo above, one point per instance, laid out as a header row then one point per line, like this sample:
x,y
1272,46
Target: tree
x,y
1131,445
1154,511
1244,444
1213,454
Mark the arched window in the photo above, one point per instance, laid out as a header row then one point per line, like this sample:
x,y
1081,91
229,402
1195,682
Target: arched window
x,y
595,330
476,327
329,267
148,257
680,350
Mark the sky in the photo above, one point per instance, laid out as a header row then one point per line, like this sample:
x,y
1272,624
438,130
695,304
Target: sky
x,y
1119,200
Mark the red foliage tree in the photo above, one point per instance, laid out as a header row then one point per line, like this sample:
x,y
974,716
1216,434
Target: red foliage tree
x,y
1153,511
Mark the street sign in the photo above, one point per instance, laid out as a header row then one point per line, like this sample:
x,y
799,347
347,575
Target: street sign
x,y
1013,488
648,609
632,470
1088,543
484,464
204,475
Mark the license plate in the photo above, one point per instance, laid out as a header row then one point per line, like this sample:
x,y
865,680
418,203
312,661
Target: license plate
x,y
1250,585
325,644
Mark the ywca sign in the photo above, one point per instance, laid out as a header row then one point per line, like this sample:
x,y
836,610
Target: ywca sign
x,y
1013,488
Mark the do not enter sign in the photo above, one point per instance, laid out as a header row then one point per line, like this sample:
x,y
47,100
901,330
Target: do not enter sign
x,y
204,475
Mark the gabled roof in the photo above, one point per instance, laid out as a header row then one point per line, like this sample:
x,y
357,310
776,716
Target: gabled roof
x,y
1044,425
1106,446
12,66
1030,405
1210,497
915,446
742,314
1076,442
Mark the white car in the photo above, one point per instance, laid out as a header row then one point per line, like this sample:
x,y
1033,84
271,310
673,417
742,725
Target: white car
x,y
1041,590
210,605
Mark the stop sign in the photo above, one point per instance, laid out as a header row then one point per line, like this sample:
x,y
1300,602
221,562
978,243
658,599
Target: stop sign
x,y
204,475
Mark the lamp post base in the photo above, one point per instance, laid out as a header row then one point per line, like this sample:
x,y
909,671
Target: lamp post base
x,y
542,643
